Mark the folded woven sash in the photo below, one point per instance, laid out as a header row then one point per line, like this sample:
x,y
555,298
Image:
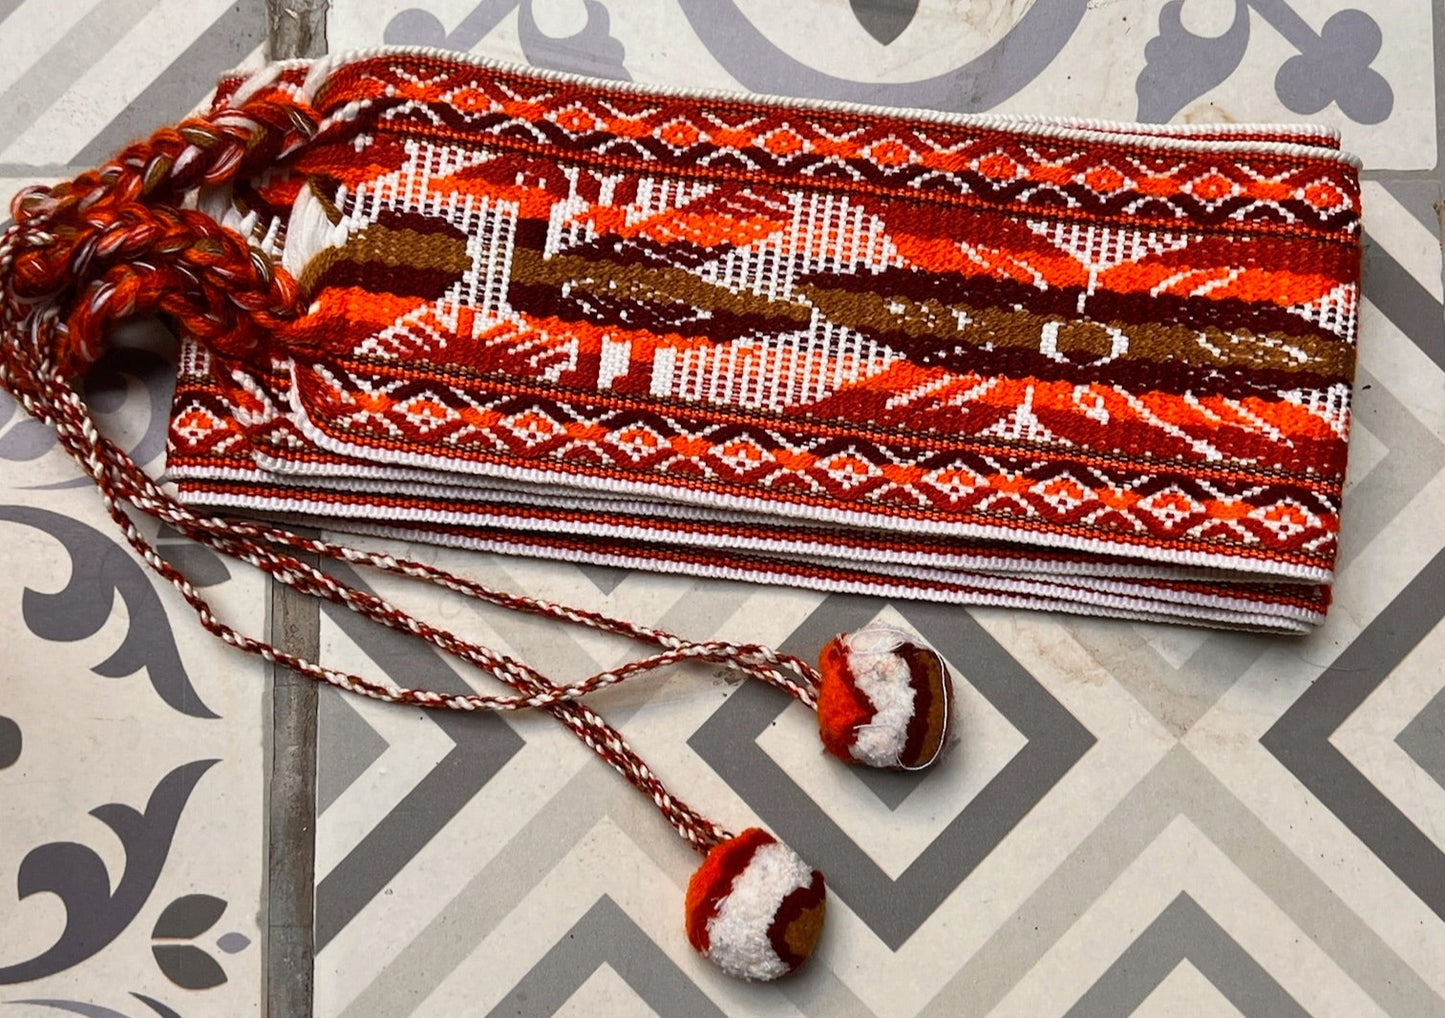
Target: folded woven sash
x,y
1077,366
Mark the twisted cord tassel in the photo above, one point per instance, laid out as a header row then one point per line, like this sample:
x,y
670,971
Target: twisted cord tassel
x,y
109,245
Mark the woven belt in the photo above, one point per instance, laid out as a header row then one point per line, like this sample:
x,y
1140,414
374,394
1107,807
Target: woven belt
x,y
1085,367
1079,366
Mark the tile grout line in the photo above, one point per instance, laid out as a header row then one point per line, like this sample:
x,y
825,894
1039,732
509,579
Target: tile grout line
x,y
291,811
294,28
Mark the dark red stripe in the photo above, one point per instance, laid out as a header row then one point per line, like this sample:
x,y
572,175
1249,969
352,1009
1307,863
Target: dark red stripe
x,y
798,901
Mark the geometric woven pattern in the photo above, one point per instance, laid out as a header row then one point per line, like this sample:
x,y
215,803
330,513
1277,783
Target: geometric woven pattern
x,y
965,359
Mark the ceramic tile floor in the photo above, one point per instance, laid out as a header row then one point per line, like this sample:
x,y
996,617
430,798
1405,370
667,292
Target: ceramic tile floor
x,y
1143,820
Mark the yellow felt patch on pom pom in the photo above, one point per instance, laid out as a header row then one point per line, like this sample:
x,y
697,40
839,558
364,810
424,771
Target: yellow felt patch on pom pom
x,y
754,907
884,700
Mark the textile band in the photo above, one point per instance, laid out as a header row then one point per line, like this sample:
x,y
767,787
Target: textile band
x,y
1083,367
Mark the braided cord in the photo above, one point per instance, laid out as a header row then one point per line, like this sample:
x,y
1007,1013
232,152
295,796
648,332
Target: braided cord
x,y
83,255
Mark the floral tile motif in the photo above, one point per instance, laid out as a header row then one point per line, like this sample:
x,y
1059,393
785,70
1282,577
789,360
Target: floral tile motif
x,y
132,763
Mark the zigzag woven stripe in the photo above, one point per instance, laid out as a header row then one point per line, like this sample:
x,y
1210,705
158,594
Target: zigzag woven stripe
x,y
1088,367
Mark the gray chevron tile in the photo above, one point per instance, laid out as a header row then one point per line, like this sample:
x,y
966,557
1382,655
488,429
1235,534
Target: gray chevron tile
x,y
186,83
1424,739
481,746
605,936
1300,739
1177,695
1412,308
1179,786
352,746
895,908
1420,198
466,914
85,44
1415,457
1184,932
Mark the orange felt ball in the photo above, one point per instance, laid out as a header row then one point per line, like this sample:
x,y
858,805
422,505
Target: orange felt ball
x,y
883,699
754,907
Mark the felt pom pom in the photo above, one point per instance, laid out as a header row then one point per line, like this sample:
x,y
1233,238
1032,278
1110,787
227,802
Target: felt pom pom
x,y
884,700
754,907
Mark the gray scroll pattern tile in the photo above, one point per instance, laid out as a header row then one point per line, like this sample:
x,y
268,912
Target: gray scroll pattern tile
x,y
130,771
132,815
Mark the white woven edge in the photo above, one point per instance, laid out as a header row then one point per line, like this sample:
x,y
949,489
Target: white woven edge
x,y
806,546
1143,609
1111,596
810,513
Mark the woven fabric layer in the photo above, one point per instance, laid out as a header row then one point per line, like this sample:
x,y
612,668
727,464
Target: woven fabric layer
x,y
1082,367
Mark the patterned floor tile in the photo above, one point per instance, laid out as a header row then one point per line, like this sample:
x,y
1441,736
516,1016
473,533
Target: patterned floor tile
x,y
132,745
1077,858
1138,820
1242,60
131,853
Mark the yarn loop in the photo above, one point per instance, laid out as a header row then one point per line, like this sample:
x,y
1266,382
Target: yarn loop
x,y
116,242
